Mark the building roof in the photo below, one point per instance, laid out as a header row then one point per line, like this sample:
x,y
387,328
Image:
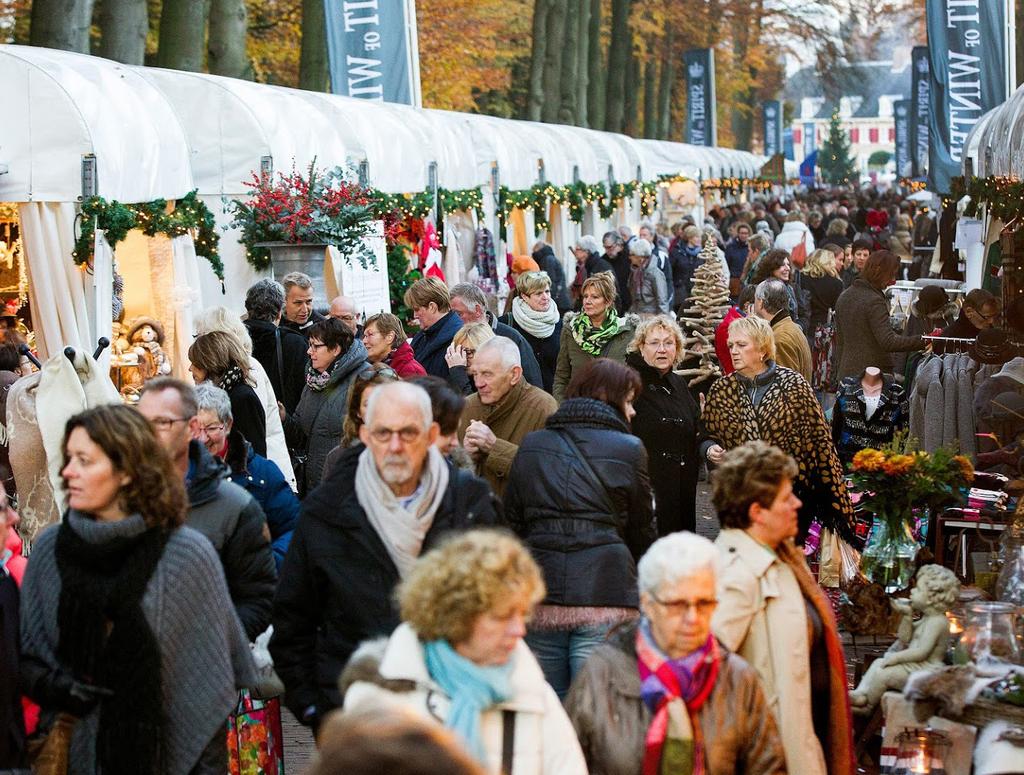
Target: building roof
x,y
865,80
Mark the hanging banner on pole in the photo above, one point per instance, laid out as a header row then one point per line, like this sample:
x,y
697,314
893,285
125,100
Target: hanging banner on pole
x,y
901,116
371,46
701,126
771,115
967,50
920,98
810,138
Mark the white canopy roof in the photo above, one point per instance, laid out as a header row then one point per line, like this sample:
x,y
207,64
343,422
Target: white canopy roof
x,y
62,106
996,142
160,133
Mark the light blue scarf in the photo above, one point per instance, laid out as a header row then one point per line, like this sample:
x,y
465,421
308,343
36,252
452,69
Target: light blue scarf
x,y
472,688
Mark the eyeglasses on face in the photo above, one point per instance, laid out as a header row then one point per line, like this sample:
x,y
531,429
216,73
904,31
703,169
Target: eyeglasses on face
x,y
315,345
703,606
369,370
408,434
166,423
211,430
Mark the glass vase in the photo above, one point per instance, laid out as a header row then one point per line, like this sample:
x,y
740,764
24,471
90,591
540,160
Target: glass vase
x,y
1010,586
888,556
990,639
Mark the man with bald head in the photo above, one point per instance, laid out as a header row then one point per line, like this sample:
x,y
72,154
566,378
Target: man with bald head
x,y
344,309
360,533
503,410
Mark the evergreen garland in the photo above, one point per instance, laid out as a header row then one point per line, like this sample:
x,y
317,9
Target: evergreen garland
x,y
190,215
1004,196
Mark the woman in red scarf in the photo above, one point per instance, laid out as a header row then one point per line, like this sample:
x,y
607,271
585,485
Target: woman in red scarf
x,y
663,696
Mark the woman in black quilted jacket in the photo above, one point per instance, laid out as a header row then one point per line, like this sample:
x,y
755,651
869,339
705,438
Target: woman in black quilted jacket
x,y
579,495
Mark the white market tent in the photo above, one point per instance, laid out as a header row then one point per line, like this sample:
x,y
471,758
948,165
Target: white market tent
x,y
160,134
995,144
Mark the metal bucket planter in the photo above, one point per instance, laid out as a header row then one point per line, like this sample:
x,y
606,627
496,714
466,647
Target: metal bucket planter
x,y
288,257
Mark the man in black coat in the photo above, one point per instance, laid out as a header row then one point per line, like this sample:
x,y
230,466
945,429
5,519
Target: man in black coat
x,y
280,351
225,513
546,260
299,315
360,532
618,259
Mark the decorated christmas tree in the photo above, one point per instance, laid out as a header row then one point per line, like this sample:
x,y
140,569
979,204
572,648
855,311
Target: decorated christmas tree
x,y
707,307
834,158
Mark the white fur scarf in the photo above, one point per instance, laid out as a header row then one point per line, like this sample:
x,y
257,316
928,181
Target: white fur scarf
x,y
538,324
401,529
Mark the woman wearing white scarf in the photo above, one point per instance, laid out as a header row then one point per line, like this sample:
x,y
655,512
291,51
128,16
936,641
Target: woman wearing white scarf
x,y
536,317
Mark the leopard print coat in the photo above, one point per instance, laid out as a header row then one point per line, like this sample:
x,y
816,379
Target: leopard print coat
x,y
790,418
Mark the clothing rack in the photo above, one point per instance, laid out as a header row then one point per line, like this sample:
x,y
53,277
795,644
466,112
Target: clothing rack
x,y
69,352
938,338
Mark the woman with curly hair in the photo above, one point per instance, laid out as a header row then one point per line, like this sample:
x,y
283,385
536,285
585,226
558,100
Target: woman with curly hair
x,y
459,657
129,635
772,612
775,265
219,357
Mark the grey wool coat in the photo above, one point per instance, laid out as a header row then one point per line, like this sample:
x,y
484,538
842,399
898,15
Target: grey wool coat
x,y
864,335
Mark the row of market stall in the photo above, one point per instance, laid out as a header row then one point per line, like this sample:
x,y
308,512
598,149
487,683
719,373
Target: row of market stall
x,y
78,127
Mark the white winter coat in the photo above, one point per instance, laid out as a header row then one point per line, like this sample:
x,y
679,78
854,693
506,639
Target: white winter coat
x,y
277,448
545,741
791,235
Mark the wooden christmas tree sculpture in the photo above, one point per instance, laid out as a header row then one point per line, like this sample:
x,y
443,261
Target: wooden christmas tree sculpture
x,y
707,307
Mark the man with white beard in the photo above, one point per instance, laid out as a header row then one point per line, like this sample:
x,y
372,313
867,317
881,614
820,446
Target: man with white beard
x,y
359,534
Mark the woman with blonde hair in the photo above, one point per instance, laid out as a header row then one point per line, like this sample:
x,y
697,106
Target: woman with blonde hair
x,y
535,316
459,657
596,331
821,281
667,421
220,358
459,357
222,319
763,401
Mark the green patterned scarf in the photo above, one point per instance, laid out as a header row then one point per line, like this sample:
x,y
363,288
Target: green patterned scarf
x,y
592,340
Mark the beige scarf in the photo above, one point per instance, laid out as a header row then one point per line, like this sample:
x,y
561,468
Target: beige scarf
x,y
402,529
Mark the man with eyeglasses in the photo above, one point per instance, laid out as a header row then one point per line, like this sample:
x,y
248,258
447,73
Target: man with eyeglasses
x,y
344,309
225,513
362,529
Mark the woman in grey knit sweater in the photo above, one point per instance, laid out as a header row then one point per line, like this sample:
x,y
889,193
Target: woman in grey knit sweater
x,y
127,627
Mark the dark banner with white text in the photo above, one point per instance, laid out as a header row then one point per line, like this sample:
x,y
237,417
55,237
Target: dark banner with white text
x,y
901,116
920,91
701,127
771,114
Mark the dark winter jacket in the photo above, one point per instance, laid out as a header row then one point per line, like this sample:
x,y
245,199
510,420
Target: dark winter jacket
x,y
314,318
12,725
430,344
263,480
864,334
852,431
545,351
620,268
337,582
824,293
668,423
685,263
248,416
234,523
736,252
548,262
319,418
289,378
404,362
531,369
585,532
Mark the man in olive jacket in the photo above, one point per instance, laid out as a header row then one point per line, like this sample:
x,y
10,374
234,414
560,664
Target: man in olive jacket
x,y
771,302
504,409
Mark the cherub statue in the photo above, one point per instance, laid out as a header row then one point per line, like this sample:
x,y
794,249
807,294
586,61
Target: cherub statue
x,y
147,338
921,644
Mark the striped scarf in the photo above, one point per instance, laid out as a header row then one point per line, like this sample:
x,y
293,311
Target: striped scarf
x,y
674,690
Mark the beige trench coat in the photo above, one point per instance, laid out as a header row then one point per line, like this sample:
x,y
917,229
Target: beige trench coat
x,y
762,616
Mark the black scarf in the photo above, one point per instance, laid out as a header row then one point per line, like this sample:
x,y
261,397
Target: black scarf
x,y
105,639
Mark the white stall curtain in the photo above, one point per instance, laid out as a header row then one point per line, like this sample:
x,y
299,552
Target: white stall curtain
x,y
58,288
186,300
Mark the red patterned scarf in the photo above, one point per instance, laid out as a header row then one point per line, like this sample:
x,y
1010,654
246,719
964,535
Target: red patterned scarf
x,y
674,690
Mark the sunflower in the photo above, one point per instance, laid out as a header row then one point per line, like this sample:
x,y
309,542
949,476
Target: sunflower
x,y
966,467
868,460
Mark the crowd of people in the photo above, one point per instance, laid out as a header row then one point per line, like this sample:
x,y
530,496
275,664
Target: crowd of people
x,y
490,526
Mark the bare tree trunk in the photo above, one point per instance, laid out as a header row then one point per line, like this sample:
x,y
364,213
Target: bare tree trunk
x,y
631,108
650,98
314,74
666,83
570,63
595,67
62,24
228,34
582,65
183,34
619,50
553,60
538,53
123,26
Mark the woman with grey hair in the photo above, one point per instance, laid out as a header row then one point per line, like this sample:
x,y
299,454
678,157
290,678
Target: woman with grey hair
x,y
647,285
663,694
773,612
588,263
